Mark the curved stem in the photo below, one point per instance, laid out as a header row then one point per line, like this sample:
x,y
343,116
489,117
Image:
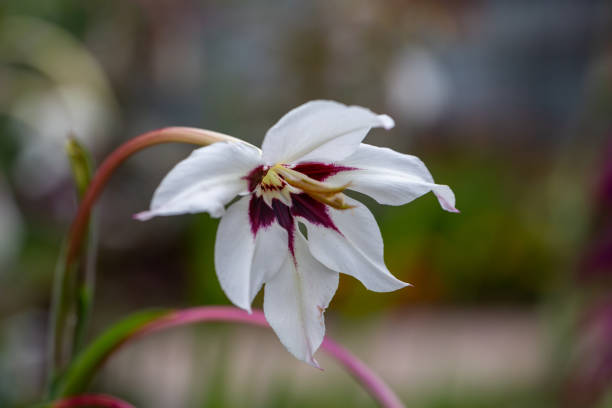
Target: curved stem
x,y
91,400
80,224
362,373
372,383
106,169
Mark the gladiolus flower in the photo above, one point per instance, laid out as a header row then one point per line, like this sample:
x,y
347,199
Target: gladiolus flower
x,y
307,160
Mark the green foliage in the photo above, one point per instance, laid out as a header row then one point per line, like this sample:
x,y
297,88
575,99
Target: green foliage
x,y
203,287
80,163
79,374
495,250
73,284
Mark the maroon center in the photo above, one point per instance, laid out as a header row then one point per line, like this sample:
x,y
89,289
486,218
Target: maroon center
x,y
261,215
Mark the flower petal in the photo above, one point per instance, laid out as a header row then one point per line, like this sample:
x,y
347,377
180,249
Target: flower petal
x,y
295,300
320,130
205,181
354,248
244,261
390,177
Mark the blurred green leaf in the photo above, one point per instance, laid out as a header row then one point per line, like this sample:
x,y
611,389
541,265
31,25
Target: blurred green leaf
x,y
82,172
80,164
79,374
73,288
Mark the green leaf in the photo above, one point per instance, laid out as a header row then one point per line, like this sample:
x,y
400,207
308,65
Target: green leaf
x,y
80,163
80,373
62,298
82,172
73,284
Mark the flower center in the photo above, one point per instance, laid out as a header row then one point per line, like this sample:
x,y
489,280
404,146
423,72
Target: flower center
x,y
280,181
272,180
320,191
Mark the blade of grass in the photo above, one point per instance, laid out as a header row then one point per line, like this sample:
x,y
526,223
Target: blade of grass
x,y
79,374
73,283
82,170
80,164
59,311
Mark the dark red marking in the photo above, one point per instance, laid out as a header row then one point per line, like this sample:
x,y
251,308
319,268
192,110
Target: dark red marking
x,y
260,214
268,187
285,219
254,177
312,210
320,171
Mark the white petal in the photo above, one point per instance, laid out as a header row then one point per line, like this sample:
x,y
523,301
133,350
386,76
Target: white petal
x,y
391,178
295,300
357,249
244,262
320,130
205,181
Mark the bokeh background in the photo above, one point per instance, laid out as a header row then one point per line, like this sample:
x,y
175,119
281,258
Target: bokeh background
x,y
508,102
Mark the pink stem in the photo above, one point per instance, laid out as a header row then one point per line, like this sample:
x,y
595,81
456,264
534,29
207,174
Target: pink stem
x,y
166,135
372,383
91,400
362,373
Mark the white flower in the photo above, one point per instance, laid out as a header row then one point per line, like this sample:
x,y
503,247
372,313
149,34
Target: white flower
x,y
307,160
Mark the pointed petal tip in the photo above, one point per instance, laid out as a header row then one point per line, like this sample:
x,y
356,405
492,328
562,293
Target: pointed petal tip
x,y
446,198
404,285
143,216
217,212
390,286
246,306
313,363
446,206
386,121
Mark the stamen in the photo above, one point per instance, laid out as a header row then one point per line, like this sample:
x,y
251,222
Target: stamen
x,y
323,192
336,201
279,182
271,180
306,183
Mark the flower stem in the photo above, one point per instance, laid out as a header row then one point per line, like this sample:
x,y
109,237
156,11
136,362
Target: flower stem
x,y
362,373
91,400
138,326
89,191
166,135
372,383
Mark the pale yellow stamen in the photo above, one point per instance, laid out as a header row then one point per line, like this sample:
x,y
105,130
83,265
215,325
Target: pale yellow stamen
x,y
302,181
272,179
323,192
336,201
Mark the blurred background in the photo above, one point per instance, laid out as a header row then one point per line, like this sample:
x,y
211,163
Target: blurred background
x,y
508,102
